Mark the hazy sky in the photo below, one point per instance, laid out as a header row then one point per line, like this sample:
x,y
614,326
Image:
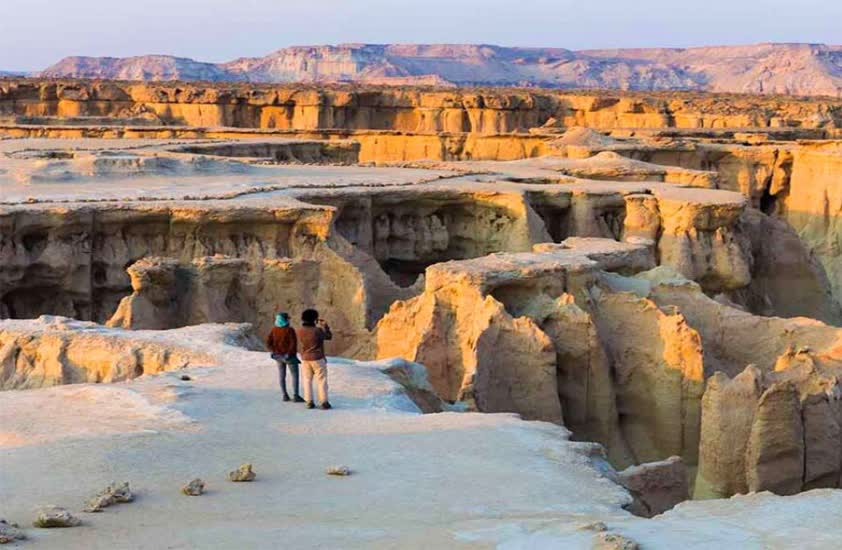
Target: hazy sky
x,y
36,33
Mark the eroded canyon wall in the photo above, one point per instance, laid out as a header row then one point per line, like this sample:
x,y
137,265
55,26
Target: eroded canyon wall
x,y
640,363
418,110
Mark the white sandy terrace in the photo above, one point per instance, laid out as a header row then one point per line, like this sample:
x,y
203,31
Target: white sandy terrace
x,y
449,480
220,178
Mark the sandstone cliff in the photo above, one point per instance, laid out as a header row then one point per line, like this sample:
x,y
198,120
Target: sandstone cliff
x,y
418,110
633,360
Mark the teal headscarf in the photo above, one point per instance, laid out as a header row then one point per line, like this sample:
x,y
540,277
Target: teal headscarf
x,y
281,320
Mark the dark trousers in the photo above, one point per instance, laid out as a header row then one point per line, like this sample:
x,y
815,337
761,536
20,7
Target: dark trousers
x,y
283,363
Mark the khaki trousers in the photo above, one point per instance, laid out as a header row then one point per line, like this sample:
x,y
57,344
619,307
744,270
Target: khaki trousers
x,y
317,370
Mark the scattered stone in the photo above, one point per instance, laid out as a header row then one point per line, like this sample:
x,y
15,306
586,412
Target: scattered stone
x,y
613,541
185,378
10,532
194,488
595,526
243,473
339,471
113,494
97,503
50,517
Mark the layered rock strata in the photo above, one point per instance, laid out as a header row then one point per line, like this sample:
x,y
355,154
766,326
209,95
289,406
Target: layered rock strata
x,y
487,111
631,360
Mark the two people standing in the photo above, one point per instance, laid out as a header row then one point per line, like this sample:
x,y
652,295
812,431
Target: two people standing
x,y
286,344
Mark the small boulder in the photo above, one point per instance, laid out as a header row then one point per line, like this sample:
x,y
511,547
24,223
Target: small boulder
x,y
243,473
50,517
194,488
597,526
121,492
113,494
97,503
10,532
613,541
656,486
339,471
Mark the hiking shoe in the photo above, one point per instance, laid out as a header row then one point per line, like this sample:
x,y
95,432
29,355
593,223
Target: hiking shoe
x,y
298,399
286,397
326,406
310,405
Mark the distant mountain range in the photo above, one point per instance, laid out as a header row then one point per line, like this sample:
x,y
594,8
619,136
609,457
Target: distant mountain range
x,y
794,69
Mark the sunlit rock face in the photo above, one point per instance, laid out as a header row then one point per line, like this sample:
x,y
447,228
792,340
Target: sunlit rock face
x,y
478,111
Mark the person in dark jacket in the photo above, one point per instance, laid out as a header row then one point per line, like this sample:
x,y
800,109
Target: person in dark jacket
x,y
311,339
283,345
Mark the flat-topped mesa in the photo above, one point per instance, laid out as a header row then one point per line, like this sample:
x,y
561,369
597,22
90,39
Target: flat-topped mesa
x,y
611,166
485,111
701,237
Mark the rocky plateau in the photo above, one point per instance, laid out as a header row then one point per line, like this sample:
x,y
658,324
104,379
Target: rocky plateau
x,y
645,290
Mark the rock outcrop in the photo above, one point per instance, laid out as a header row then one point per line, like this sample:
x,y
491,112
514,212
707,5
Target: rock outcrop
x,y
243,473
479,328
51,517
656,486
626,361
53,351
195,488
776,431
10,532
340,471
115,493
484,111
613,541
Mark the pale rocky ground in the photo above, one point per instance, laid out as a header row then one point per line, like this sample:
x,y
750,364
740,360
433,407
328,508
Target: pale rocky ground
x,y
456,480
670,295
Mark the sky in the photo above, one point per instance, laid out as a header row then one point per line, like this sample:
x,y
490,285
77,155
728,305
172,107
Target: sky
x,y
36,33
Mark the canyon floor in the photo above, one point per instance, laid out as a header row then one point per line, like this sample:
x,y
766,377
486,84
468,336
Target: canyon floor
x,y
560,321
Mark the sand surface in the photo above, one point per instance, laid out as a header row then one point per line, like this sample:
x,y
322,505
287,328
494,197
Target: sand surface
x,y
418,479
449,480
